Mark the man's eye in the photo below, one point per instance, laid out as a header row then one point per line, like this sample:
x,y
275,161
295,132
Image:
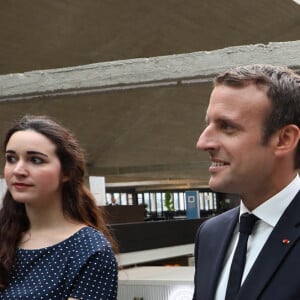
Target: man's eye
x,y
227,127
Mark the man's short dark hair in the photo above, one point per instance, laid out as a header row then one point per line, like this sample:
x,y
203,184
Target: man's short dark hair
x,y
282,87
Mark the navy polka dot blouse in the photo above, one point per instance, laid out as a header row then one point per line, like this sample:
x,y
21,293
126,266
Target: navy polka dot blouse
x,y
82,266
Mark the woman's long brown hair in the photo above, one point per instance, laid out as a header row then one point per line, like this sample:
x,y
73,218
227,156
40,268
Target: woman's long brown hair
x,y
78,203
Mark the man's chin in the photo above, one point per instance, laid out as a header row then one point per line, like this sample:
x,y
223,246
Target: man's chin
x,y
220,187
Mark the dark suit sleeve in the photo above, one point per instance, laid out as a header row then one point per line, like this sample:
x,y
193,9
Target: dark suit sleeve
x,y
196,262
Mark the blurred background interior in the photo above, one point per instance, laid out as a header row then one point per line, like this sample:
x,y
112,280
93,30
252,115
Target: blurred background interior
x,y
140,138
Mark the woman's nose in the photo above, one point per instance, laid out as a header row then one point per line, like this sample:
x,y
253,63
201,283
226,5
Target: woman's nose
x,y
20,168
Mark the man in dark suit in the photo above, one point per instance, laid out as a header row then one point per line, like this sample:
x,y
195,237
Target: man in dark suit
x,y
252,138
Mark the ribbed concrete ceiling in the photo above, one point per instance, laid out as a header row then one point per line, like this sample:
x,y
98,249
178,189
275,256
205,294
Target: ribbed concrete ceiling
x,y
140,134
46,34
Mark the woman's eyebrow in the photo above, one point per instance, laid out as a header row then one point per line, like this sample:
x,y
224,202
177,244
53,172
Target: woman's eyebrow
x,y
31,152
36,153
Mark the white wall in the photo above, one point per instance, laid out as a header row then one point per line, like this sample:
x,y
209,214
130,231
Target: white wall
x,y
97,187
2,189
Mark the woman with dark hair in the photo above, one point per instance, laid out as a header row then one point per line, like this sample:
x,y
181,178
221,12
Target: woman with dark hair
x,y
54,243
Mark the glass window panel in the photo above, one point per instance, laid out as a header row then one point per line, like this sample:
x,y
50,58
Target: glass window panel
x,y
148,202
177,205
159,203
201,199
182,200
123,198
153,202
163,199
130,199
215,200
108,198
140,198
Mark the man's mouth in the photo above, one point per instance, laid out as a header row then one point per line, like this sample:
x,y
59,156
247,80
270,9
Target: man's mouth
x,y
218,164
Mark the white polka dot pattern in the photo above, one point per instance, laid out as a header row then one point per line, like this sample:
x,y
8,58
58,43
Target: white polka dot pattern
x,y
83,267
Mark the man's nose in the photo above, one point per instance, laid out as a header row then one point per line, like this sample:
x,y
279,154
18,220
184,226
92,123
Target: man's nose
x,y
207,140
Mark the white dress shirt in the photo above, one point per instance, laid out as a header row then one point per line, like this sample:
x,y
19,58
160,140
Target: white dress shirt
x,y
269,214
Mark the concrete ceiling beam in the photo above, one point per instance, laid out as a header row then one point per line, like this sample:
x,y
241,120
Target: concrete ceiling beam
x,y
196,67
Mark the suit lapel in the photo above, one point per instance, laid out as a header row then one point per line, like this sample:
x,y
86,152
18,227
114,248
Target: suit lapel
x,y
221,243
281,240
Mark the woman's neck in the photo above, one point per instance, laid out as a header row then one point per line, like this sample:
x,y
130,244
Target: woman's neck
x,y
47,227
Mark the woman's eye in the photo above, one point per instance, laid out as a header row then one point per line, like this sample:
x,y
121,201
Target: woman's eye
x,y
10,159
37,160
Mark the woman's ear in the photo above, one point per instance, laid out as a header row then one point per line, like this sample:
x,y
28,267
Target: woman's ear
x,y
64,178
287,139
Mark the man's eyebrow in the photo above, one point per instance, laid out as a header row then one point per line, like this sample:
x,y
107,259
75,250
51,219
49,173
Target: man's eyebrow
x,y
230,121
28,152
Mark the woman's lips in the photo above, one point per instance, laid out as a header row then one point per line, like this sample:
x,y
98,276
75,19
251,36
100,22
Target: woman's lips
x,y
21,185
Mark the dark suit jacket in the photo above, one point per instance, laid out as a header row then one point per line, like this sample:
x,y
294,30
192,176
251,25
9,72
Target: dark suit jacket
x,y
275,274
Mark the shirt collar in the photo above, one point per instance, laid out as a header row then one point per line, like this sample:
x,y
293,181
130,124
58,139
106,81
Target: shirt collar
x,y
271,210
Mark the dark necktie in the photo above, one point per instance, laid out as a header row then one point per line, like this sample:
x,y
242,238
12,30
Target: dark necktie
x,y
247,222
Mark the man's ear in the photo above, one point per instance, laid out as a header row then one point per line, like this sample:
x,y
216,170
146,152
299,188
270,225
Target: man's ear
x,y
287,139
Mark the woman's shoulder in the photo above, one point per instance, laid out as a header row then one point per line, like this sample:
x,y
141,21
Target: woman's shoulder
x,y
89,238
89,233
87,242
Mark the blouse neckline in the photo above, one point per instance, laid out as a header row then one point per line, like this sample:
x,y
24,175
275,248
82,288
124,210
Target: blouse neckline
x,y
19,249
